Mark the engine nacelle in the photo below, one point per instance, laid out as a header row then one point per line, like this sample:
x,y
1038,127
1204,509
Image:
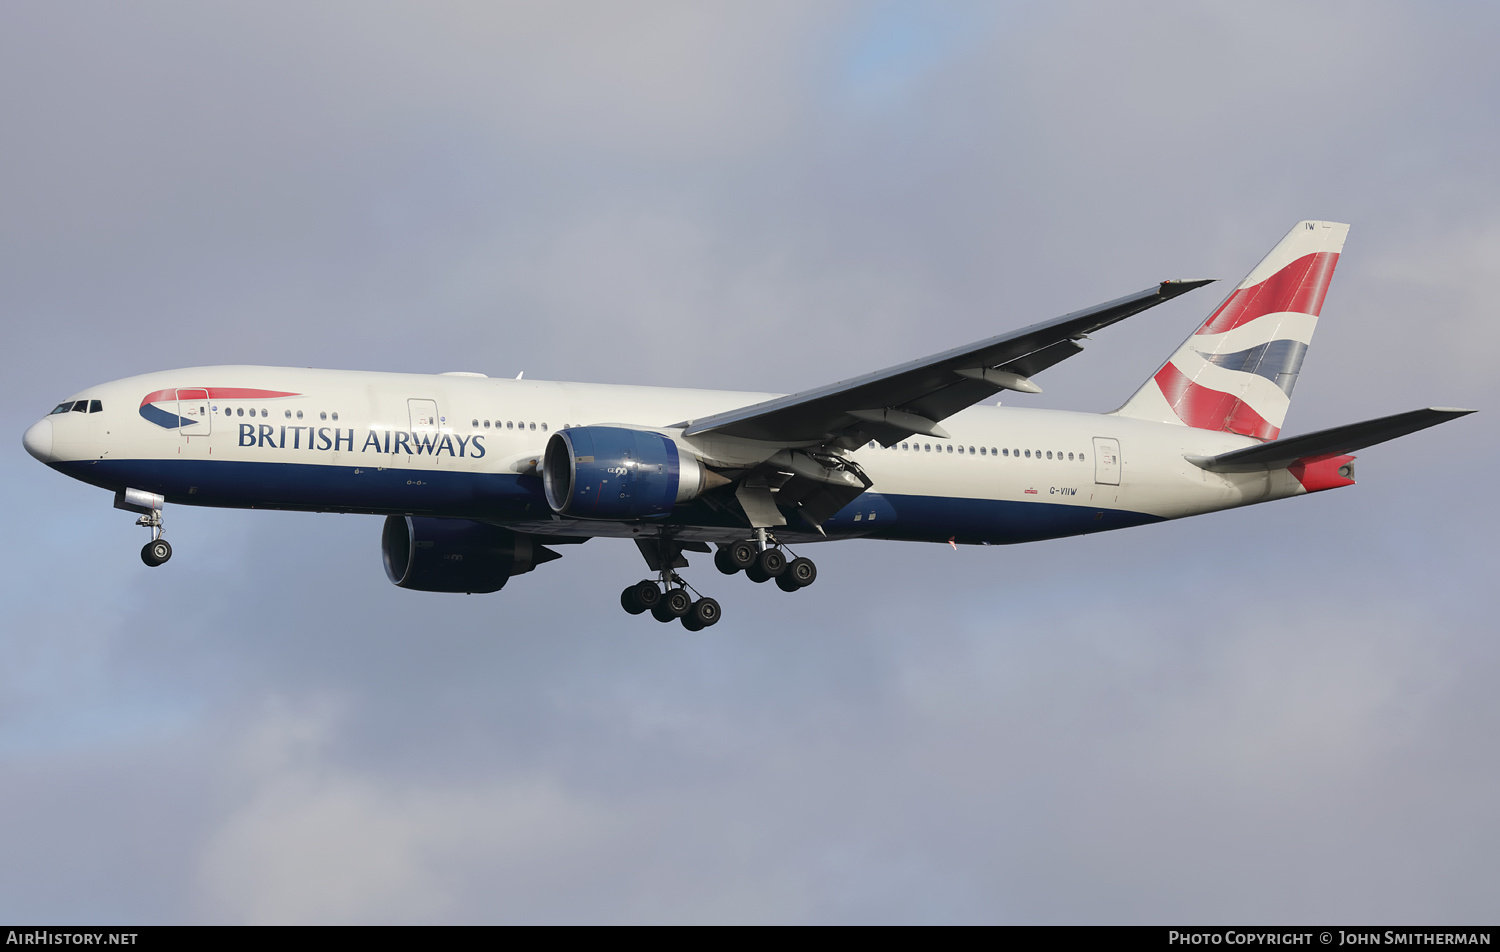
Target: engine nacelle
x,y
615,472
455,555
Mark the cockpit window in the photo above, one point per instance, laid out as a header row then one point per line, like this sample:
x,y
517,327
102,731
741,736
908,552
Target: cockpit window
x,y
62,407
82,406
96,406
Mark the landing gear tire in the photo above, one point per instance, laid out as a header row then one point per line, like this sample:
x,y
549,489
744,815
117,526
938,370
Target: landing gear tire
x,y
640,597
156,552
802,571
673,605
754,574
629,602
704,613
771,563
741,554
725,563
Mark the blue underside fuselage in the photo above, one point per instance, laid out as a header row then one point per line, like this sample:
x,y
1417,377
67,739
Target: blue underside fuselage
x,y
513,498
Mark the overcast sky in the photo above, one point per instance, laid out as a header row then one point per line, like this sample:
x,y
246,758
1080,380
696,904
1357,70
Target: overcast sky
x,y
1282,714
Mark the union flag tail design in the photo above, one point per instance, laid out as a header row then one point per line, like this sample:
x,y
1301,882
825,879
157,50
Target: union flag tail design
x,y
1237,371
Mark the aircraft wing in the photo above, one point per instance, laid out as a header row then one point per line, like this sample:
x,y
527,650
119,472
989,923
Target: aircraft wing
x,y
890,405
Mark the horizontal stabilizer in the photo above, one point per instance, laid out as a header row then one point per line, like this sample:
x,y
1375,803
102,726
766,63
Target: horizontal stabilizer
x,y
1337,441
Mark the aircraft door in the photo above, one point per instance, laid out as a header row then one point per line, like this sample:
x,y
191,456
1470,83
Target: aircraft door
x,y
424,415
193,418
1106,461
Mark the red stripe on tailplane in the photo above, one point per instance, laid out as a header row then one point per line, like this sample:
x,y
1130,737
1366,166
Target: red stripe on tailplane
x,y
1206,409
1317,473
1300,286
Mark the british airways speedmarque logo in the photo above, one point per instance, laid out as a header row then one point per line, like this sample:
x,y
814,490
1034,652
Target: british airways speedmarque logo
x,y
165,408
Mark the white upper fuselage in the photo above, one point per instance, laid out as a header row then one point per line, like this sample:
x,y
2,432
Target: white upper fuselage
x,y
296,427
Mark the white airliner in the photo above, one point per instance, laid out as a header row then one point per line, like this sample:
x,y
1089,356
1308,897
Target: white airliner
x,y
477,476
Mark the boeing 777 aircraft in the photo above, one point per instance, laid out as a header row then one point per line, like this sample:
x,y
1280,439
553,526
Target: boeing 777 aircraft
x,y
481,479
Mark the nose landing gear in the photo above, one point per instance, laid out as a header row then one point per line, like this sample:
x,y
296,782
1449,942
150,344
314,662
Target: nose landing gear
x,y
149,505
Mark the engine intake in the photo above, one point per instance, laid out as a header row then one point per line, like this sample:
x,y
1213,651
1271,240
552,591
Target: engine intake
x,y
615,472
456,555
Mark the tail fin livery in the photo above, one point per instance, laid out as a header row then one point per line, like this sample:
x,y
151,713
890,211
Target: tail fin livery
x,y
1237,371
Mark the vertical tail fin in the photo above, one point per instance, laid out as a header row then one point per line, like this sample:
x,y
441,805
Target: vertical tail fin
x,y
1237,371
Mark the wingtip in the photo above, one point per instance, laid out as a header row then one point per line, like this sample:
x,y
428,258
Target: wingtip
x,y
1178,286
1452,411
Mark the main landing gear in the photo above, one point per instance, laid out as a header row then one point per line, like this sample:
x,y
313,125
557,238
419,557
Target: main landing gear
x,y
668,596
669,600
763,560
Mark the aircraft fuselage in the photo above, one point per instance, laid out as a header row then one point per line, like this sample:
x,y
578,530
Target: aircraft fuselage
x,y
465,446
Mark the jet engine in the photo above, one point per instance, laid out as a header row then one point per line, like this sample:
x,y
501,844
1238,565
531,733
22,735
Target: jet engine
x,y
615,472
456,555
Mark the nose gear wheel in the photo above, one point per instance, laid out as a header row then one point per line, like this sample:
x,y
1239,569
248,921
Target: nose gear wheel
x,y
158,550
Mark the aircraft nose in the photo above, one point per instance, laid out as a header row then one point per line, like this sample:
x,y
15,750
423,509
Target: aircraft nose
x,y
38,440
